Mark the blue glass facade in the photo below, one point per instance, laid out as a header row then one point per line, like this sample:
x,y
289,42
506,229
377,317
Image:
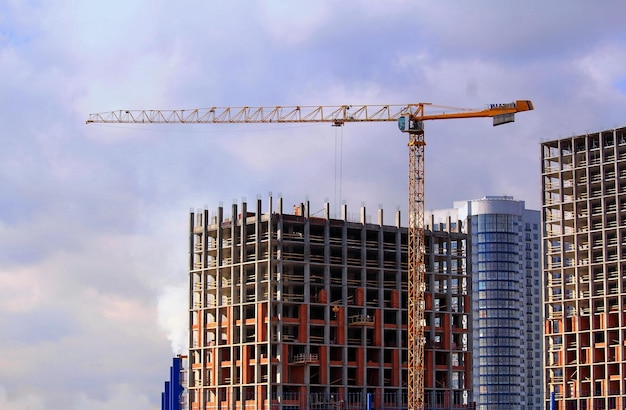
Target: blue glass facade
x,y
499,291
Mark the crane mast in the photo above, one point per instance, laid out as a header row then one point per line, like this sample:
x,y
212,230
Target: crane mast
x,y
410,119
416,267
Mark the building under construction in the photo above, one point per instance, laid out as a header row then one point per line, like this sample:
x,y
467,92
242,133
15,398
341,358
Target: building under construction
x,y
295,311
584,210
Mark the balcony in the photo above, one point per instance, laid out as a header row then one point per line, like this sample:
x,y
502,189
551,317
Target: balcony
x,y
360,320
304,358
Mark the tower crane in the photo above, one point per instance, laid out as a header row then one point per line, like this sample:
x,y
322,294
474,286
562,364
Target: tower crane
x,y
410,118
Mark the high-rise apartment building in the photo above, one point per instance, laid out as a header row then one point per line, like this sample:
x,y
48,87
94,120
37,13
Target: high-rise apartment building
x,y
298,312
584,213
505,240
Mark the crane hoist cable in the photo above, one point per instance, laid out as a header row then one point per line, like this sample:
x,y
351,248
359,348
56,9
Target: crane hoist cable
x,y
338,166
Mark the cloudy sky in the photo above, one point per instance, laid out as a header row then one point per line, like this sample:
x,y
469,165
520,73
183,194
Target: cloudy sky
x,y
93,218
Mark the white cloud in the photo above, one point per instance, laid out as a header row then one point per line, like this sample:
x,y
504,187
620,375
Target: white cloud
x,y
20,402
291,24
120,396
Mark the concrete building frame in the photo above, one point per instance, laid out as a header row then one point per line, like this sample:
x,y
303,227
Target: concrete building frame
x,y
584,214
294,311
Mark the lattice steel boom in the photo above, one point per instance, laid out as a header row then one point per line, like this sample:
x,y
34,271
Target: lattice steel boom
x,y
410,119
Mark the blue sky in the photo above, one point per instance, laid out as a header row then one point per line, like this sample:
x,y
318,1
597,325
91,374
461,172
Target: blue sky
x,y
93,218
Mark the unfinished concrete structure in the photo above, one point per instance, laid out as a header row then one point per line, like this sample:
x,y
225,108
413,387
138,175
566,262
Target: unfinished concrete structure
x,y
293,311
584,213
